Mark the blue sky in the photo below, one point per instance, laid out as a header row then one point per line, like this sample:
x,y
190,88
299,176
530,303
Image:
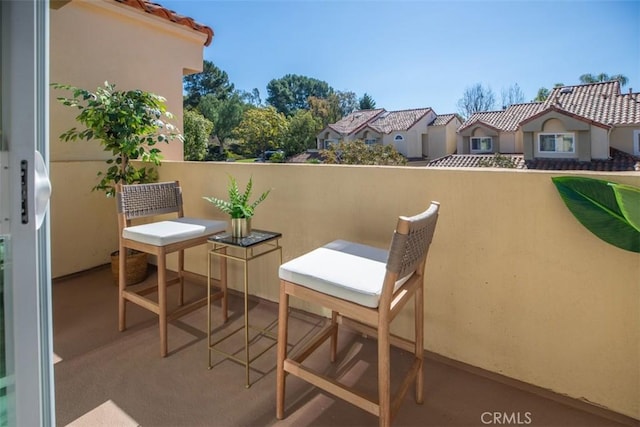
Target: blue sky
x,y
412,54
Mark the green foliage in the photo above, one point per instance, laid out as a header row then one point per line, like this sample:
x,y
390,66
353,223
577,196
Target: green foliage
x,y
196,135
225,114
367,102
358,153
301,133
238,205
608,210
603,77
212,80
291,92
497,161
262,129
128,124
347,102
325,110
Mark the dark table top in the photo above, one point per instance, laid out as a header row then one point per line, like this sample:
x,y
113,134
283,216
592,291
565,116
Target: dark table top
x,y
254,238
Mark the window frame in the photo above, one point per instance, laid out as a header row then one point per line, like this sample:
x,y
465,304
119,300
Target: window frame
x,y
636,142
555,152
398,138
480,150
370,141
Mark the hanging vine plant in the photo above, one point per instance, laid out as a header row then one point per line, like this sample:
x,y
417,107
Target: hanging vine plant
x,y
609,210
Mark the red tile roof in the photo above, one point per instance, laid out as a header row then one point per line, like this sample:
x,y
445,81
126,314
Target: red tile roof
x,y
618,161
443,119
162,12
505,120
349,124
600,102
398,120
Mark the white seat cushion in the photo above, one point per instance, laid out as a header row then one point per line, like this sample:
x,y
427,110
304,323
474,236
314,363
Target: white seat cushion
x,y
163,233
346,270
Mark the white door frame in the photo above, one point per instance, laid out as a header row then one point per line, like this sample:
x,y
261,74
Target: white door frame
x,y
25,129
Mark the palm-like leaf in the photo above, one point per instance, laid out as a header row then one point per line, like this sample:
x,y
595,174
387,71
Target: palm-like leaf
x,y
238,205
595,204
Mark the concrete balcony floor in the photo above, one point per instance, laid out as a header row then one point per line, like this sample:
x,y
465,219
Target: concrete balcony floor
x,y
106,377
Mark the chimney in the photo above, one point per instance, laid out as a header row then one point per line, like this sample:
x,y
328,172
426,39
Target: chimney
x,y
630,91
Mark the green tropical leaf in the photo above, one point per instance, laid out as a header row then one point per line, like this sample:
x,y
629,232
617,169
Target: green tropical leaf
x,y
628,199
594,203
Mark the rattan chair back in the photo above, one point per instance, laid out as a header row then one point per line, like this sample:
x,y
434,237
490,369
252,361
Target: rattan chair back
x,y
142,200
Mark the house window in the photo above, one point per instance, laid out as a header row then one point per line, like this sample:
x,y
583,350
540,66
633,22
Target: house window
x,y
482,144
398,138
329,142
556,143
636,142
371,141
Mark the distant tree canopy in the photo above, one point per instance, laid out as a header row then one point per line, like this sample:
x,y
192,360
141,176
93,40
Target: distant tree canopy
x,y
196,135
301,133
262,129
212,80
359,153
512,95
225,114
291,92
603,77
367,102
475,99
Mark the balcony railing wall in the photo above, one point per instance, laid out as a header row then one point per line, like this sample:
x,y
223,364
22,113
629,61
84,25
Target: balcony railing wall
x,y
515,284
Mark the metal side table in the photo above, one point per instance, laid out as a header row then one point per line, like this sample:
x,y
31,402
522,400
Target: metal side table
x,y
257,244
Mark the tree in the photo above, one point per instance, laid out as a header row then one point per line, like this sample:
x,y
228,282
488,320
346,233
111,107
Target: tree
x,y
301,133
603,77
358,153
475,99
325,110
512,95
196,135
225,114
292,92
261,129
128,125
367,102
347,102
212,80
543,93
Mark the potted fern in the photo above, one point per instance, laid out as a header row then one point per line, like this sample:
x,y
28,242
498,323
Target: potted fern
x,y
128,125
238,206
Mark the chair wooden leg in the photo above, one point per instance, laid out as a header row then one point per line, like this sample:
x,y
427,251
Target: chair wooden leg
x,y
162,302
334,335
122,282
419,350
181,275
384,372
283,318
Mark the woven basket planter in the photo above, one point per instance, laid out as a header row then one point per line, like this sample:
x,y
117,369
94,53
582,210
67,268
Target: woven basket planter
x,y
136,267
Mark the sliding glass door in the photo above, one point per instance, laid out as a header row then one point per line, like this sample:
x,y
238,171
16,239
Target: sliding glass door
x,y
26,370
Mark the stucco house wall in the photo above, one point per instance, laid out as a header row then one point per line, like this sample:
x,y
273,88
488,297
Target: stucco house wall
x,y
92,42
622,138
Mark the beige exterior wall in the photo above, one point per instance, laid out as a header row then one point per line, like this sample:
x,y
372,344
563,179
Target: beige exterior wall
x,y
441,140
514,288
411,147
327,134
96,41
622,139
599,143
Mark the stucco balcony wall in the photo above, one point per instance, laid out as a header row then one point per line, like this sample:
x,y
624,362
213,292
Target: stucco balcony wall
x,y
514,283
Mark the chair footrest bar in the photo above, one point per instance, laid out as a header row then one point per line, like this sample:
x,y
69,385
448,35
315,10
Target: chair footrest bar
x,y
182,310
409,378
332,386
141,301
396,341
